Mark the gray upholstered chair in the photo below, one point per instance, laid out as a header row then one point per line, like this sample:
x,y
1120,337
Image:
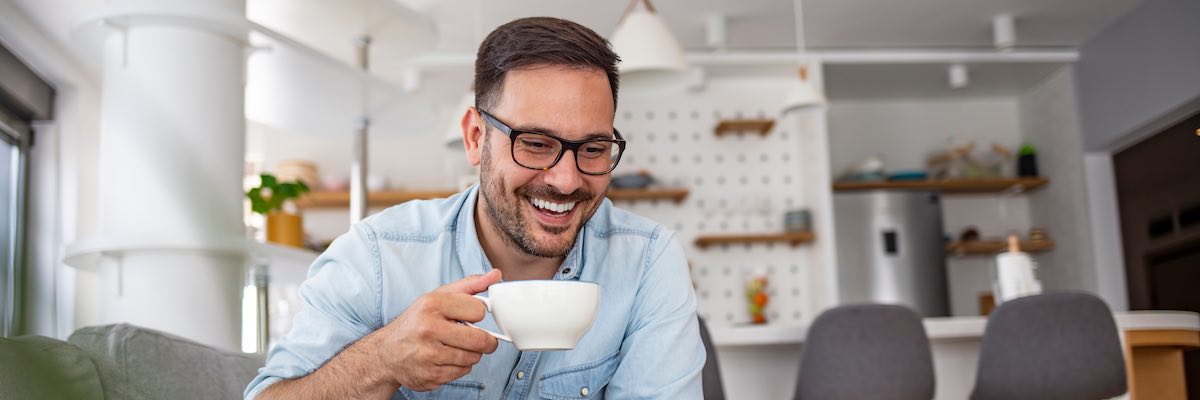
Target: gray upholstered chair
x,y
141,363
711,375
121,362
869,351
1062,346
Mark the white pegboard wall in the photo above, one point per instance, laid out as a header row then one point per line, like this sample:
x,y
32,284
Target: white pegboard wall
x,y
739,183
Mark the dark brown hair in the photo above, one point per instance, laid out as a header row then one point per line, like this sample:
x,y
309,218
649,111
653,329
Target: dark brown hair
x,y
539,41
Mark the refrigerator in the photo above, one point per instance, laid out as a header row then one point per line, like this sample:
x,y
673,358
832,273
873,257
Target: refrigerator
x,y
890,250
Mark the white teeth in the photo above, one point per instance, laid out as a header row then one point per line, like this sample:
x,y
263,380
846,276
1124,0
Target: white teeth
x,y
551,206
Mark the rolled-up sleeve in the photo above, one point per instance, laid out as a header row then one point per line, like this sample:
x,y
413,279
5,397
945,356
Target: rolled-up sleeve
x,y
662,355
341,300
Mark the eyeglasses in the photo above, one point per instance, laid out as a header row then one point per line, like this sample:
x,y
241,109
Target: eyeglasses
x,y
536,150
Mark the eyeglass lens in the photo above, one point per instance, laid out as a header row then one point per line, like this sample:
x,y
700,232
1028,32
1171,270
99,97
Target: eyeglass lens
x,y
534,150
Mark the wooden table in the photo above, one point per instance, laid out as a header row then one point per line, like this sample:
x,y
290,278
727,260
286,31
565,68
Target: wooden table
x,y
1154,361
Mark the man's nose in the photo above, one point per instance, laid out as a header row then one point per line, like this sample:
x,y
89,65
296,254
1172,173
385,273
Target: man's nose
x,y
565,176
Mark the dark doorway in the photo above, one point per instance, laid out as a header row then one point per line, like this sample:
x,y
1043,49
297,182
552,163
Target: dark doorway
x,y
1158,189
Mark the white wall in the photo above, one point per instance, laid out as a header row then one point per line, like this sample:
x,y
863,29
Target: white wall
x,y
1140,74
1050,122
906,132
1107,252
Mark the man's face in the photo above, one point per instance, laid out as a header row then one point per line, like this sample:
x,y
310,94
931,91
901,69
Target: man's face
x,y
570,103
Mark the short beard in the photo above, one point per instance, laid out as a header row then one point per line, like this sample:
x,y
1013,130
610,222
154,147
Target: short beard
x,y
509,219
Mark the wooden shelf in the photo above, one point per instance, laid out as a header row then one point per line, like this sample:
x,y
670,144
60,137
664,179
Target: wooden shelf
x,y
676,195
997,185
391,198
759,126
792,238
374,199
996,246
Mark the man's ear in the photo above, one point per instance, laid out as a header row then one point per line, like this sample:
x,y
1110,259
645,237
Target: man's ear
x,y
473,135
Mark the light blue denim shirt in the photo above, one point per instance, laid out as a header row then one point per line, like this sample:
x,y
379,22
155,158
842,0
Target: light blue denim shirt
x,y
644,343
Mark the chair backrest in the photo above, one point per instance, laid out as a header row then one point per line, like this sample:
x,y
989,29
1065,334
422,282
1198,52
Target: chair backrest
x,y
36,367
139,363
869,351
1061,346
711,375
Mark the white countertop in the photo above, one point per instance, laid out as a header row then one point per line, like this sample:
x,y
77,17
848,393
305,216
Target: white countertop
x,y
939,329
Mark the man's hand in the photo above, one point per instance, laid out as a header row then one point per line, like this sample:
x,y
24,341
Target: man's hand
x,y
422,349
426,347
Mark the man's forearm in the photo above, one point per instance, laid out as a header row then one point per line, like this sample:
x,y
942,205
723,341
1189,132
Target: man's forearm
x,y
355,373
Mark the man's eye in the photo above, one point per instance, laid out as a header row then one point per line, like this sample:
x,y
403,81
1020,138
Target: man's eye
x,y
595,149
536,144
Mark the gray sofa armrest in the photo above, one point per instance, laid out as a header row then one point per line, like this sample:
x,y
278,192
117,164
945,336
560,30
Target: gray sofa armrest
x,y
35,367
139,363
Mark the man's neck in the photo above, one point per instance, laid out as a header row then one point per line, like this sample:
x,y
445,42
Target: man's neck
x,y
505,256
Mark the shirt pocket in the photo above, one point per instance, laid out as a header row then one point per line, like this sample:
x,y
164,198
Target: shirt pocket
x,y
585,381
453,390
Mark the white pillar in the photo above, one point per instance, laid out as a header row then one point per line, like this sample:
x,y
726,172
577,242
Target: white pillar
x,y
172,141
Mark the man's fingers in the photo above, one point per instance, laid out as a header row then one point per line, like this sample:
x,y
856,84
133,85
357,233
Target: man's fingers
x,y
455,357
470,339
461,307
472,284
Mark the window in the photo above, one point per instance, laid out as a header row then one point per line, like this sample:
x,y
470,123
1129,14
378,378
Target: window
x,y
24,98
12,185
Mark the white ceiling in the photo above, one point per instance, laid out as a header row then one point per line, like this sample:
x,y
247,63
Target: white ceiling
x,y
752,25
770,24
954,23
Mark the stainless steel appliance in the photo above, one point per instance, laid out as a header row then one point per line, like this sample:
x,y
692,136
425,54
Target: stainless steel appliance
x,y
890,249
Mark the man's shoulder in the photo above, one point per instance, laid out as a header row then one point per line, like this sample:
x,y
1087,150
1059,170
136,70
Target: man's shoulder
x,y
417,218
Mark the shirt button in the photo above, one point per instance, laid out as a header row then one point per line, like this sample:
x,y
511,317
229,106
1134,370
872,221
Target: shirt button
x,y
520,374
584,391
566,271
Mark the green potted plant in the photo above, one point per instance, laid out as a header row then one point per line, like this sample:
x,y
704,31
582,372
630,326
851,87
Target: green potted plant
x,y
268,198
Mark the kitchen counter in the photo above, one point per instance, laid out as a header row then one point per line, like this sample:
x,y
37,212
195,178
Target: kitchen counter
x,y
943,328
762,361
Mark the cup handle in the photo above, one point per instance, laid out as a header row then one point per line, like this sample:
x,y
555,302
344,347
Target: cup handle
x,y
487,304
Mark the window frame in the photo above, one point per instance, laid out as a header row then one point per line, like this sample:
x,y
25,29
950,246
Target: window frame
x,y
17,134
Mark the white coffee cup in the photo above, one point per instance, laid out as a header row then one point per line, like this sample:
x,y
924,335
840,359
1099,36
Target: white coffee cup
x,y
541,315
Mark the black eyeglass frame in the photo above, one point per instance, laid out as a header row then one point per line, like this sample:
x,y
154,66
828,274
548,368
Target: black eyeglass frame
x,y
573,145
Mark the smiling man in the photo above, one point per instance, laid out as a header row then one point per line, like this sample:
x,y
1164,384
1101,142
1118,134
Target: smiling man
x,y
383,305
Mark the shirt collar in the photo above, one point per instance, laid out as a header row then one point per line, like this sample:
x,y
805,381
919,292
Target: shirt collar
x,y
470,252
466,242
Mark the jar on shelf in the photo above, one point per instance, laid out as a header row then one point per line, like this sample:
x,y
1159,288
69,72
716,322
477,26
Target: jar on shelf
x,y
756,282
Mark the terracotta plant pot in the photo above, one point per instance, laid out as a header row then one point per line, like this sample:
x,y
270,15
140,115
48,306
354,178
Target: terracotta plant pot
x,y
285,229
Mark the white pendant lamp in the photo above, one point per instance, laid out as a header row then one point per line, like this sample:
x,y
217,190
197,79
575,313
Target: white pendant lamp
x,y
804,94
649,53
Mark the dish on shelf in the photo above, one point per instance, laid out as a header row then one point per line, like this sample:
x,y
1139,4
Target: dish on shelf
x,y
639,180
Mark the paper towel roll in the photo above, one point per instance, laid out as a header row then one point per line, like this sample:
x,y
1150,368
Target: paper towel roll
x,y
1014,275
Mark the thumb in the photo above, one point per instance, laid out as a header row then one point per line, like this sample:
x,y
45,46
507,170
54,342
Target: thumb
x,y
472,284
